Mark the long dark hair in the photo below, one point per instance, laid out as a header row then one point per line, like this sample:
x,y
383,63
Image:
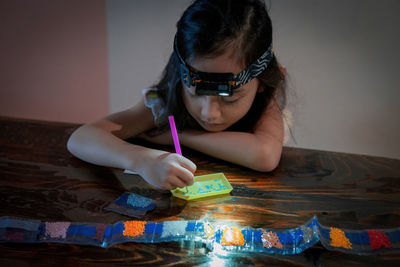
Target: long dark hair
x,y
207,28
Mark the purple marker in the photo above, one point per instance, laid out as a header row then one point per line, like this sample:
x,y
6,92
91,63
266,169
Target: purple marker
x,y
175,138
174,135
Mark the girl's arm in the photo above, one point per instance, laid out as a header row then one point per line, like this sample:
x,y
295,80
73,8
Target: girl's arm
x,y
102,143
260,150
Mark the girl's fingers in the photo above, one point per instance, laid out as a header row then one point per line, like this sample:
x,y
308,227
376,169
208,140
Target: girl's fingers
x,y
185,176
188,164
181,172
176,182
168,186
180,177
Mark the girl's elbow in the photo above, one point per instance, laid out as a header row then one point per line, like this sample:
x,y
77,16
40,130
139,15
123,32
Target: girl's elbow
x,y
74,143
71,144
267,160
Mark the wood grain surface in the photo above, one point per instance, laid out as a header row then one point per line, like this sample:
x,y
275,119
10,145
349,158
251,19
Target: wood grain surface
x,y
40,179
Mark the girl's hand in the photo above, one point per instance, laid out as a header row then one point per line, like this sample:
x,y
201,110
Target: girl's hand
x,y
169,171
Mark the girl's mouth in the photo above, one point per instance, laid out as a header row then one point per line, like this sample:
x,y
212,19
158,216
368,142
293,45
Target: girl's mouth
x,y
211,125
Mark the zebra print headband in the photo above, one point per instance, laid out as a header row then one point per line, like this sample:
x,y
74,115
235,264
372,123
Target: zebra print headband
x,y
222,84
256,68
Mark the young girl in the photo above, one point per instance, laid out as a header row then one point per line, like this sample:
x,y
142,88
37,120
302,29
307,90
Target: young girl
x,y
224,87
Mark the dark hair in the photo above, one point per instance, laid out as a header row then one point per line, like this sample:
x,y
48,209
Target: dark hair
x,y
208,28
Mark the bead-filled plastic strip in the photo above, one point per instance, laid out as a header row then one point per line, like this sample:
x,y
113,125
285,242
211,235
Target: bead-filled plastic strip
x,y
214,235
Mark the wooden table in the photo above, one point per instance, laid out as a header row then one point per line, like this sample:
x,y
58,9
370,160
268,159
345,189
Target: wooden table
x,y
40,179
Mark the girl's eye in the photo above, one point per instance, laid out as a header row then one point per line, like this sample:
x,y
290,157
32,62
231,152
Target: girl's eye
x,y
230,99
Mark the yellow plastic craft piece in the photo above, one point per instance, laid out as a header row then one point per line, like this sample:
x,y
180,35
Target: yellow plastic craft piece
x,y
204,186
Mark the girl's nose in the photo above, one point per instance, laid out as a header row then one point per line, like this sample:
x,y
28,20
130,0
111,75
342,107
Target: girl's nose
x,y
210,110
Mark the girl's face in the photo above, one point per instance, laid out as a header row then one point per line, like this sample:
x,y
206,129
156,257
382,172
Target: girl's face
x,y
217,113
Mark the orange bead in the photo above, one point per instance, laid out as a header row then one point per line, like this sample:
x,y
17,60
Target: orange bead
x,y
339,239
232,236
134,228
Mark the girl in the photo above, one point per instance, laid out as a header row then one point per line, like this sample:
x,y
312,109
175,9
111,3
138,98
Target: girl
x,y
224,87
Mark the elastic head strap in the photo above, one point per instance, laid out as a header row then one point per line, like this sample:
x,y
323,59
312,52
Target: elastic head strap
x,y
245,76
256,68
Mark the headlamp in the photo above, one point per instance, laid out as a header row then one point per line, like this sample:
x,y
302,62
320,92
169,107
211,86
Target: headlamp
x,y
222,84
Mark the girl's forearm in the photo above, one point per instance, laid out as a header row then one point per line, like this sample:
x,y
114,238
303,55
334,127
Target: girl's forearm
x,y
100,147
159,168
241,148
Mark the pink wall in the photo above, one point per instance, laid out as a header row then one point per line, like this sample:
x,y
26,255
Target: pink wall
x,y
53,59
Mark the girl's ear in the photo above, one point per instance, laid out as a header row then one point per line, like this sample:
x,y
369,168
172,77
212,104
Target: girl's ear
x,y
260,89
283,70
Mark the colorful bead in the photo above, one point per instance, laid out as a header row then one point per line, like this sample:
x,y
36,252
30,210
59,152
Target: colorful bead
x,y
378,239
134,228
138,201
208,230
174,228
232,236
14,235
57,229
100,229
270,239
308,233
339,239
